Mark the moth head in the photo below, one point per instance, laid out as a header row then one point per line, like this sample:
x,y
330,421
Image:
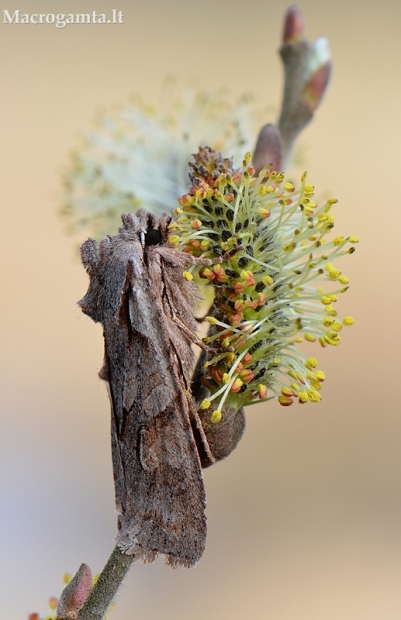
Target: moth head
x,y
148,228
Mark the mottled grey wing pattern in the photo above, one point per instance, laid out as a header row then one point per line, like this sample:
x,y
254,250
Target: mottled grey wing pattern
x,y
138,293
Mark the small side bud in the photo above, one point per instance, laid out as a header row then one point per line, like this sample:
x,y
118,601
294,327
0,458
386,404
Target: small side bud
x,y
75,593
223,431
294,25
268,149
316,86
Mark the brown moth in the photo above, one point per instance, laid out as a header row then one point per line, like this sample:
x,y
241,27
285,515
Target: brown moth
x,y
138,292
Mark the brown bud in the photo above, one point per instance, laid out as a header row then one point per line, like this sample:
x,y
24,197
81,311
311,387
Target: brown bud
x,y
294,25
222,436
75,593
268,149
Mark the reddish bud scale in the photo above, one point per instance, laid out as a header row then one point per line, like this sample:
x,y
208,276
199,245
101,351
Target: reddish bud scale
x,y
238,287
262,391
235,319
316,85
236,386
246,375
251,304
294,25
76,592
216,374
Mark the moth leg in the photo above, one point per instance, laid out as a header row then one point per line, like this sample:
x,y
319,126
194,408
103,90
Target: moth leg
x,y
228,254
197,260
197,341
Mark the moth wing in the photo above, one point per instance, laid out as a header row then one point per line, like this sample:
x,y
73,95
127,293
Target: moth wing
x,y
163,510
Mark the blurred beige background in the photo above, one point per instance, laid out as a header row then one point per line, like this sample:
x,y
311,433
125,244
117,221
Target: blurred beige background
x,y
305,516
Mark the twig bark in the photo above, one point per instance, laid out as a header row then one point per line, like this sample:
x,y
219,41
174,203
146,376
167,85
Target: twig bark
x,y
307,70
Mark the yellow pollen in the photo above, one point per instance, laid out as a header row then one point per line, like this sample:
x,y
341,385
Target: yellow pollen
x,y
348,320
236,386
354,240
205,404
334,274
289,187
334,342
187,275
267,280
309,337
174,240
325,300
314,395
311,361
216,416
285,401
262,391
343,280
303,397
263,212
